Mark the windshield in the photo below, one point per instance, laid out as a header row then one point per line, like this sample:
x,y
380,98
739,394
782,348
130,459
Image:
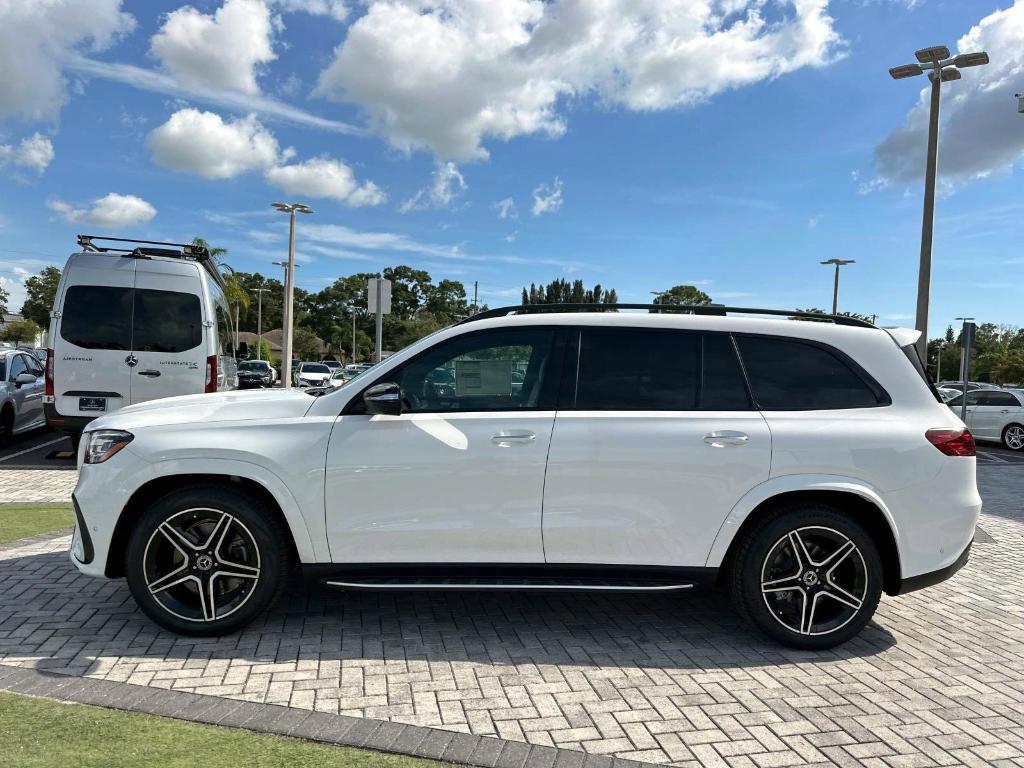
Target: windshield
x,y
315,368
252,365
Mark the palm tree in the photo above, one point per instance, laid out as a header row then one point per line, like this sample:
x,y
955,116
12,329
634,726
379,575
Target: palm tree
x,y
234,291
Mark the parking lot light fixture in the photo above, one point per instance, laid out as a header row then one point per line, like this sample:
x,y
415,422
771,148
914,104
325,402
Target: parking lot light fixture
x,y
941,69
835,285
289,288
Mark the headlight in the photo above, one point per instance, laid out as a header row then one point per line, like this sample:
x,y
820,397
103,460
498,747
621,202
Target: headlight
x,y
104,443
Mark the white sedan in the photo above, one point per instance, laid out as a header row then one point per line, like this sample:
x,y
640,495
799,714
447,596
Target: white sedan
x,y
994,415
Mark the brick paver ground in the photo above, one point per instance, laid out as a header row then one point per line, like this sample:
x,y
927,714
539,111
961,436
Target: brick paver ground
x,y
936,679
42,486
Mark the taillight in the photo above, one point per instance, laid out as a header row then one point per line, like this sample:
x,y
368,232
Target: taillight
x,y
952,442
211,373
49,372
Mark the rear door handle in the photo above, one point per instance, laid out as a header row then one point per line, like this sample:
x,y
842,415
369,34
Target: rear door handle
x,y
150,373
510,437
726,437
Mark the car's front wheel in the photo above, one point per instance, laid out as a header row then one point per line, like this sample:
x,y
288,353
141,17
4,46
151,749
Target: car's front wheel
x,y
206,560
808,576
1013,437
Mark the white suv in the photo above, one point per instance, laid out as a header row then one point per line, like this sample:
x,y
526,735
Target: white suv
x,y
809,465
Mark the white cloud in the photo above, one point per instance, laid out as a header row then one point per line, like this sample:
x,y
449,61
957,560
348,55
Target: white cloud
x,y
447,75
324,177
982,132
336,9
112,211
446,185
35,152
205,144
506,209
36,38
547,198
225,49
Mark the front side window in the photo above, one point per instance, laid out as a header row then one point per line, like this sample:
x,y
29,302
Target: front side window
x,y
792,375
97,317
972,399
223,332
166,321
33,365
18,366
490,371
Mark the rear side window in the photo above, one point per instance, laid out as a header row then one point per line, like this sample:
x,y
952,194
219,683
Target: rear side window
x,y
166,321
637,370
723,387
97,317
790,375
1004,399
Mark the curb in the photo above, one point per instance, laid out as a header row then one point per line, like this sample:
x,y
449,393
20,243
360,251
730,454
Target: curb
x,y
321,727
39,538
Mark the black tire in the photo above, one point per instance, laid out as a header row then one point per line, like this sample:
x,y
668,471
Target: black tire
x,y
170,549
75,438
6,426
851,589
1010,437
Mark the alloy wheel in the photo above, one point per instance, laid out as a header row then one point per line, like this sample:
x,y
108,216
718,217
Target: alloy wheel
x,y
814,580
201,564
1014,437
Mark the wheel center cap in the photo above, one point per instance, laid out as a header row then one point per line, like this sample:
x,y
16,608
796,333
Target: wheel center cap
x,y
204,562
810,578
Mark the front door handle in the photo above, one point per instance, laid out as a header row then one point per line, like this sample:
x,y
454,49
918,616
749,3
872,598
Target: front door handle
x,y
150,373
726,437
513,437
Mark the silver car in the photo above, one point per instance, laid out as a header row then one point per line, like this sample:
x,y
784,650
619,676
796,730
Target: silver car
x,y
22,386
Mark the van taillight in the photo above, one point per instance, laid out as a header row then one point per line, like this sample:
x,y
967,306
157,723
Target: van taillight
x,y
49,372
211,373
952,442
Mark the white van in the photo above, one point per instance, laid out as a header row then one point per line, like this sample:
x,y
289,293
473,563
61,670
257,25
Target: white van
x,y
132,324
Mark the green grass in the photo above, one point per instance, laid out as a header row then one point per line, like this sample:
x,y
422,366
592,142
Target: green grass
x,y
20,520
37,733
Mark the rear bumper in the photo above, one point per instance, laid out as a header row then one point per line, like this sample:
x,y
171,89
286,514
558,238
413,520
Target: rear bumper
x,y
915,583
67,423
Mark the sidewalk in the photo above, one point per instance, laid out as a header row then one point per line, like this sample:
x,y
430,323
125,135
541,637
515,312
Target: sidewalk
x,y
37,486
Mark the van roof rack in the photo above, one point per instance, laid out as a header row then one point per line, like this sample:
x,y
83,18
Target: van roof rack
x,y
691,309
189,251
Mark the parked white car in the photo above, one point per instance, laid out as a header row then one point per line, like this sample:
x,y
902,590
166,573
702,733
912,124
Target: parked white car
x,y
21,393
133,324
312,375
809,465
994,416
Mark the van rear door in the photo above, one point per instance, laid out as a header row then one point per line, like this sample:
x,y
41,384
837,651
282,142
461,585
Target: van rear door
x,y
168,329
92,346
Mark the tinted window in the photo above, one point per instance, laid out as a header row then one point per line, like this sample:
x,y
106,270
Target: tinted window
x,y
788,375
224,335
33,365
97,317
476,372
972,399
637,370
1004,399
166,321
723,387
17,366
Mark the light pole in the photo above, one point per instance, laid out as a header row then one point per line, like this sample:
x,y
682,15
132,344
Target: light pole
x,y
942,69
965,365
289,287
1020,101
259,321
835,286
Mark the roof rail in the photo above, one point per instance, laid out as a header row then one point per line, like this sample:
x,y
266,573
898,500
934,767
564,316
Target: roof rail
x,y
188,251
692,309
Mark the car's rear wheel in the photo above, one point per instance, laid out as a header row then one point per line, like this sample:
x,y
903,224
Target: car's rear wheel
x,y
206,560
1013,437
808,576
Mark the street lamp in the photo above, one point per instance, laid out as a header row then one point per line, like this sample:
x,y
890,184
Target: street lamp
x,y
259,321
835,287
943,69
289,287
1020,102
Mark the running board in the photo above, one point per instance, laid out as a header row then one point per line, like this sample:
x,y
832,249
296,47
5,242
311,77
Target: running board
x,y
511,585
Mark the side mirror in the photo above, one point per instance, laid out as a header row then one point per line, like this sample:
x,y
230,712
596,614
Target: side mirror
x,y
25,378
383,399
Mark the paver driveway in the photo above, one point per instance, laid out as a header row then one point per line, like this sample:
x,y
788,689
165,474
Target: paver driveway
x,y
937,679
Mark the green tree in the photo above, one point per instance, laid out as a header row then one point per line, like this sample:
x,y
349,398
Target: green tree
x,y
305,344
4,298
41,290
818,311
234,291
19,331
561,291
683,295
446,301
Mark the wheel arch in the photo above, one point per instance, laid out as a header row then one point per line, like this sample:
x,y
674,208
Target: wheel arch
x,y
860,504
154,489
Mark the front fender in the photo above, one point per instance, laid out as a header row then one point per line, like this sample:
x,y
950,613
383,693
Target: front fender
x,y
305,544
777,486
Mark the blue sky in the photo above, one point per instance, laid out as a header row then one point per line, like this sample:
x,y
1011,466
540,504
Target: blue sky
x,y
732,144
